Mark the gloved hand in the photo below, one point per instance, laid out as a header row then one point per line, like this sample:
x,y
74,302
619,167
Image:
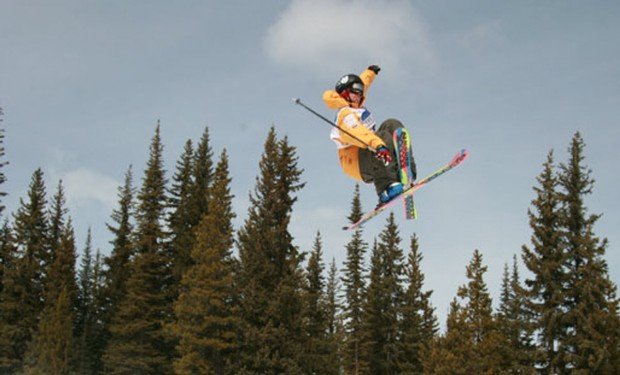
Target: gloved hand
x,y
374,68
384,155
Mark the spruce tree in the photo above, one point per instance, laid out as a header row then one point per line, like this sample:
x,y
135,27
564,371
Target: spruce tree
x,y
589,312
317,348
181,222
139,343
202,176
116,271
515,325
353,280
270,278
3,163
384,299
206,312
545,260
12,337
335,325
419,324
51,351
25,287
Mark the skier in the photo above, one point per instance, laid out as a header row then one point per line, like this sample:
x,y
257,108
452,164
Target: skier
x,y
356,159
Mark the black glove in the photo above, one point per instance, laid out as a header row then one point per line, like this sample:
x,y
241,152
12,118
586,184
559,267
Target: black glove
x,y
374,68
384,155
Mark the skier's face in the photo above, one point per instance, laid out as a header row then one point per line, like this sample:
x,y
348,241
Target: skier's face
x,y
355,98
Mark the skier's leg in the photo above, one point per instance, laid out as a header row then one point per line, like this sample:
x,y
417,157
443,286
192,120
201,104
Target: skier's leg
x,y
386,132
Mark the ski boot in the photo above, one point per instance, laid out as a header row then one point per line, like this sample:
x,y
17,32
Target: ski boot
x,y
394,190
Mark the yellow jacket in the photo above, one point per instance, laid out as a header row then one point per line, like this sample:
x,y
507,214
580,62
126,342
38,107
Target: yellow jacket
x,y
358,122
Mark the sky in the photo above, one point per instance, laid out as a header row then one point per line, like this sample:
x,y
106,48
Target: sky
x,y
83,84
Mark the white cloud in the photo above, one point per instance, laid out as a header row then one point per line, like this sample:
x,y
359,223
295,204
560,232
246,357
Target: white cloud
x,y
317,34
83,186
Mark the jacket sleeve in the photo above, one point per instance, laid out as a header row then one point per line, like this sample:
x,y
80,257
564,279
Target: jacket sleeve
x,y
349,122
367,76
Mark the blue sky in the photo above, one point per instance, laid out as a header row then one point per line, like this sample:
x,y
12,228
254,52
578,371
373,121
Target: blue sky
x,y
83,84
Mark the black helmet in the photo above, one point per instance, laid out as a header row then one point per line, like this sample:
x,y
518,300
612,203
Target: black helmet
x,y
350,82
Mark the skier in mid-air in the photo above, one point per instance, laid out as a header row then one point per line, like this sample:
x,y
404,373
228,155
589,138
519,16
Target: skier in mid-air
x,y
358,136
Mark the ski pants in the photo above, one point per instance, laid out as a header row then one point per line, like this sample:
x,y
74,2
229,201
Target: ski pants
x,y
372,169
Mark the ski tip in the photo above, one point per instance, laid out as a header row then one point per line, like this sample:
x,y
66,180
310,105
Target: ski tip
x,y
345,228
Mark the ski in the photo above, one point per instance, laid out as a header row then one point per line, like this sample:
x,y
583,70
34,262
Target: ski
x,y
404,156
456,160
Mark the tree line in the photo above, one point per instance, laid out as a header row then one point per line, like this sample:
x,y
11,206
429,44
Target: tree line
x,y
182,292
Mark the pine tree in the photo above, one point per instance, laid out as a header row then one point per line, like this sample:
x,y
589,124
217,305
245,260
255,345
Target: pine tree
x,y
2,163
23,300
419,324
52,349
11,296
514,325
206,320
589,312
384,299
270,277
317,358
335,325
117,267
545,261
89,327
181,222
451,353
139,343
354,288
202,176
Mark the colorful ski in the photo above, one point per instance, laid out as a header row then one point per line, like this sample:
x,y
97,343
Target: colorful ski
x,y
404,155
458,159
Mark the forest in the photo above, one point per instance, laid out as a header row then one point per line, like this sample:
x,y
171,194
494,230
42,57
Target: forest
x,y
182,292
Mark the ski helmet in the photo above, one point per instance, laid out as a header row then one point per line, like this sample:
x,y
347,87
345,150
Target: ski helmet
x,y
350,83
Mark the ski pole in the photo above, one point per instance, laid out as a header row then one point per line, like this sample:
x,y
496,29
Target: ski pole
x,y
298,101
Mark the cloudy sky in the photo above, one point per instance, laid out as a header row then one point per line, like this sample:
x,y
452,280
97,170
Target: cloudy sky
x,y
83,84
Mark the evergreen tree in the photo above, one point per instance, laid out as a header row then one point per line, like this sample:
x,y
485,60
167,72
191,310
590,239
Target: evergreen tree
x,y
545,261
514,325
384,299
206,319
335,325
317,358
2,163
139,343
11,297
181,221
117,267
7,252
419,324
452,353
354,288
270,277
23,300
589,312
478,314
51,351
89,325
202,176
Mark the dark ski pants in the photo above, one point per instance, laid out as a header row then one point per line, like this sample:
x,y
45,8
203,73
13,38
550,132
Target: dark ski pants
x,y
372,169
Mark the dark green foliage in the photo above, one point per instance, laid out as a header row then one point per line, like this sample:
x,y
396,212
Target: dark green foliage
x,y
418,324
138,342
206,312
51,351
270,278
2,163
589,310
545,261
24,286
515,325
318,348
384,298
354,288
